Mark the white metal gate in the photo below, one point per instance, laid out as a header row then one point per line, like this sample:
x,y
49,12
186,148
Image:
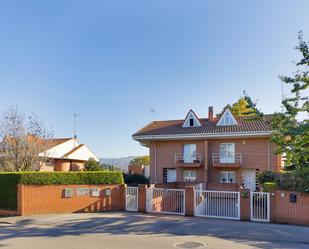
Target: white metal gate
x,y
164,200
260,206
217,204
131,199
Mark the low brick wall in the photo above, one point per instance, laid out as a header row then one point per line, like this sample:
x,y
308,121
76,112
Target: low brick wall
x,y
4,212
51,199
283,211
222,186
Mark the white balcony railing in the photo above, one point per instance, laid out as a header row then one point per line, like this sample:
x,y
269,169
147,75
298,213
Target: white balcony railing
x,y
181,158
231,158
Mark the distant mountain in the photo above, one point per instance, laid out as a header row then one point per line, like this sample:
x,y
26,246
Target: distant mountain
x,y
121,162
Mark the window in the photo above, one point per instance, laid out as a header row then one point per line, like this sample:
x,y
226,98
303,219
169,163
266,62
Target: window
x,y
169,175
227,153
227,118
191,120
227,177
189,175
189,153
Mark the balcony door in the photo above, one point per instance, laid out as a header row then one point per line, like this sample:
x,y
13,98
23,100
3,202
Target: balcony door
x,y
227,153
189,153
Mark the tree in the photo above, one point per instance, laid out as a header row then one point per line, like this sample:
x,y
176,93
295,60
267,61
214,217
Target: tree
x,y
245,106
92,165
110,167
142,160
291,132
23,137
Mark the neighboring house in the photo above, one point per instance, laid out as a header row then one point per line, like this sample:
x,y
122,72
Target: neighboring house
x,y
139,169
223,152
66,154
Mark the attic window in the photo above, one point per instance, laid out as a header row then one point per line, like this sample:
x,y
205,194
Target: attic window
x,y
227,118
191,120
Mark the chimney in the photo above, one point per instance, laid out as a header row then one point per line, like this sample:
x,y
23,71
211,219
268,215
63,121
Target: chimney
x,y
210,113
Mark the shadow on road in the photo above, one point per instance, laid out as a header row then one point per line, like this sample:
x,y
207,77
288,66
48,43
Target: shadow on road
x,y
255,234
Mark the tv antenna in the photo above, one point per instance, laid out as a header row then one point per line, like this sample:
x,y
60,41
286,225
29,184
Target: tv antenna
x,y
76,115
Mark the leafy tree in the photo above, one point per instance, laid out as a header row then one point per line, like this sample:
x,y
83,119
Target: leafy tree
x,y
291,132
245,106
92,165
240,108
142,160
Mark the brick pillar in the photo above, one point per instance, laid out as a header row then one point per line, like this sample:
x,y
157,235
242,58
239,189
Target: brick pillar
x,y
20,201
245,204
142,188
272,202
123,196
189,201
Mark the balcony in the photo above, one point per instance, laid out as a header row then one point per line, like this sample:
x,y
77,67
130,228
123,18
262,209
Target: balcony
x,y
182,160
223,161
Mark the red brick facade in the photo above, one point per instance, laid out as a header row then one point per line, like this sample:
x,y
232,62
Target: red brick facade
x,y
257,154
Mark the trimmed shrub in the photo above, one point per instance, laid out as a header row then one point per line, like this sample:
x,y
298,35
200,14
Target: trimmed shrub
x,y
135,179
62,178
9,182
268,186
8,190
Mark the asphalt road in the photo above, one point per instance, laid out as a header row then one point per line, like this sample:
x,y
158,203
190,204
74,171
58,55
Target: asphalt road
x,y
140,231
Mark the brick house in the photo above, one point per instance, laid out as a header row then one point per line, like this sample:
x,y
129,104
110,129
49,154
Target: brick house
x,y
65,154
223,152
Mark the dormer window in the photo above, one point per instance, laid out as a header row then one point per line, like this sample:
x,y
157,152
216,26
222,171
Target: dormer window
x,y
191,120
227,118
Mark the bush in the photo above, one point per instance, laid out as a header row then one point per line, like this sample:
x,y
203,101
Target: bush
x,y
267,176
268,186
92,165
135,179
8,190
295,181
9,181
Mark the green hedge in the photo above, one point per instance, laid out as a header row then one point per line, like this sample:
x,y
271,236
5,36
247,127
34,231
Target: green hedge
x,y
9,181
8,190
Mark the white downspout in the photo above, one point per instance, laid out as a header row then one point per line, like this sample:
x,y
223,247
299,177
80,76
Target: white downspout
x,y
155,163
268,155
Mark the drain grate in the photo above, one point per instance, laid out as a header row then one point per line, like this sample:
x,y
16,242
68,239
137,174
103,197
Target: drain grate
x,y
190,245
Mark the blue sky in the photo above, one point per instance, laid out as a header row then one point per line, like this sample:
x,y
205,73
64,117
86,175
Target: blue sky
x,y
114,61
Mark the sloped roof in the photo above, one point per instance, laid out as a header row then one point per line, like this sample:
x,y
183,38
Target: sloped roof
x,y
174,127
73,150
56,141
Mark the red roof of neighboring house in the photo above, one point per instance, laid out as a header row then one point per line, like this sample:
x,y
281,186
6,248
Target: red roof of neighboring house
x,y
173,127
56,141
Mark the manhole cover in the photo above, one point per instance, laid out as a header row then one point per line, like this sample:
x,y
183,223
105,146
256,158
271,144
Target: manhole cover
x,y
189,245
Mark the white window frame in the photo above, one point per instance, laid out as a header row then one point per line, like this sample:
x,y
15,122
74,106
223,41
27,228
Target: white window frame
x,y
192,175
227,118
191,115
174,172
227,156
227,176
189,155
